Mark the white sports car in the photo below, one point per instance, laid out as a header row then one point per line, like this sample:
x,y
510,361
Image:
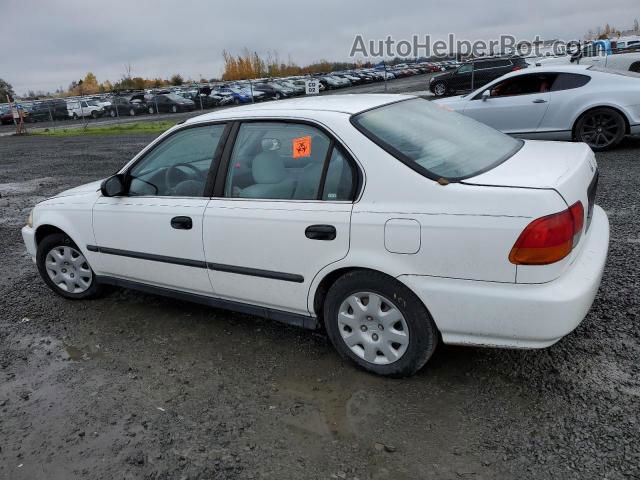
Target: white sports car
x,y
370,215
595,106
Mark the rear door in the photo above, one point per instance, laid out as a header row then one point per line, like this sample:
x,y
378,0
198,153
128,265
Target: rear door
x,y
282,212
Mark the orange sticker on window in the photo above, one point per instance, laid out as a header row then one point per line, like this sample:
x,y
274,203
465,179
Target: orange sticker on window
x,y
301,147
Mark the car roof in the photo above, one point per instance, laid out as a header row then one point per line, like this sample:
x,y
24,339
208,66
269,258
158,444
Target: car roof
x,y
349,104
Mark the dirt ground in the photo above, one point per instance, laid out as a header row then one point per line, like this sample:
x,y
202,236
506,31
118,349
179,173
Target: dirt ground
x,y
134,386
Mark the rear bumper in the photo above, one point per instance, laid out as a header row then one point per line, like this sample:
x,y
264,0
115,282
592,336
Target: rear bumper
x,y
517,315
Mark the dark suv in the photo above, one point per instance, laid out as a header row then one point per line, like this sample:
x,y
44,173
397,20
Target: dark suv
x,y
474,74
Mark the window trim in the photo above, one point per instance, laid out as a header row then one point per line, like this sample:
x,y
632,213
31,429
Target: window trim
x,y
160,140
223,166
398,155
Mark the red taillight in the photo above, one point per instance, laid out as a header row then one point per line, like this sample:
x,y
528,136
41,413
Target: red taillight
x,y
549,239
577,213
515,69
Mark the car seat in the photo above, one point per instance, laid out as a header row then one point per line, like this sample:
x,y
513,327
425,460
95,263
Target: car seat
x,y
270,176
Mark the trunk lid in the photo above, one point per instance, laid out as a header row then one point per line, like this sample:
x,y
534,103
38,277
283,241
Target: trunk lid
x,y
569,169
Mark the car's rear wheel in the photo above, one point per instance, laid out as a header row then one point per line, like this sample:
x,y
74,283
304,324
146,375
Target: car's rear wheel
x,y
601,129
94,114
174,109
635,67
150,110
75,116
65,269
112,113
379,324
132,112
440,89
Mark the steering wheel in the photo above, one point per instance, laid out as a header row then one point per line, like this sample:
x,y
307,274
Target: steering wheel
x,y
171,174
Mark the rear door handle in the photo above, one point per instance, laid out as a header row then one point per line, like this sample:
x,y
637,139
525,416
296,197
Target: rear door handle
x,y
320,232
182,223
539,100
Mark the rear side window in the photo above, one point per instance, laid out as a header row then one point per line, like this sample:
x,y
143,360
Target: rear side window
x,y
569,81
435,142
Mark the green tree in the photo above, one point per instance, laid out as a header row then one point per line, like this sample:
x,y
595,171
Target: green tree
x,y
177,79
6,89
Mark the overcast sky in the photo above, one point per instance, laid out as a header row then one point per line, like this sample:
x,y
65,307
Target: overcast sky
x,y
48,44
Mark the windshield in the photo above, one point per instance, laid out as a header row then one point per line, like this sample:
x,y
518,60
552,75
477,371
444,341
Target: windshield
x,y
174,97
436,142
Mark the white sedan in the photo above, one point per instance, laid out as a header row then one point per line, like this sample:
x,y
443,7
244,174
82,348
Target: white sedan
x,y
390,222
587,104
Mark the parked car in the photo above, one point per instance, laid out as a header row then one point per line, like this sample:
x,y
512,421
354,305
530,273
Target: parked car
x,y
124,105
474,74
47,110
6,116
84,108
170,102
587,104
475,239
237,95
599,53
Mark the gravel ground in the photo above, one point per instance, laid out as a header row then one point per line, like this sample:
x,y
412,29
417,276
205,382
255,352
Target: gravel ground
x,y
135,386
417,83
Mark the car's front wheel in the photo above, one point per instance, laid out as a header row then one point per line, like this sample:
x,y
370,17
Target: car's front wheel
x,y
440,89
174,109
132,112
379,324
65,269
150,110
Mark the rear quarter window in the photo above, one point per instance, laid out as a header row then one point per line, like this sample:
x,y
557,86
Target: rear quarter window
x,y
569,81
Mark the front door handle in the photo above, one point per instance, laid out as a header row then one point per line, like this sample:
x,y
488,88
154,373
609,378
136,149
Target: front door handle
x,y
320,232
182,223
540,100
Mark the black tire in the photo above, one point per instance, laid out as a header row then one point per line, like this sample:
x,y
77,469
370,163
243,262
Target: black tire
x,y
422,332
150,110
132,112
75,116
278,96
174,109
112,113
601,129
94,114
60,240
635,67
440,89
236,101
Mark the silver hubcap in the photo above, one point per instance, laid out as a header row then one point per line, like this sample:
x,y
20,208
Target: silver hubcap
x,y
373,328
440,88
68,269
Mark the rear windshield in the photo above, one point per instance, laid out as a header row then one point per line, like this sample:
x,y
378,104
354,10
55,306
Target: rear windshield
x,y
434,141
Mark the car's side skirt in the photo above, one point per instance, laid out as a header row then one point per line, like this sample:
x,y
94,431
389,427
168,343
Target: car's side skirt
x,y
289,318
544,135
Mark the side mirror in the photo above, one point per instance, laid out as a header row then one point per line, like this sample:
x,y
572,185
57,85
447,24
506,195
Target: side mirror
x,y
113,186
486,95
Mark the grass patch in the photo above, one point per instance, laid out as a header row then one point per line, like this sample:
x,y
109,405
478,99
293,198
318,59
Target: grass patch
x,y
117,129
